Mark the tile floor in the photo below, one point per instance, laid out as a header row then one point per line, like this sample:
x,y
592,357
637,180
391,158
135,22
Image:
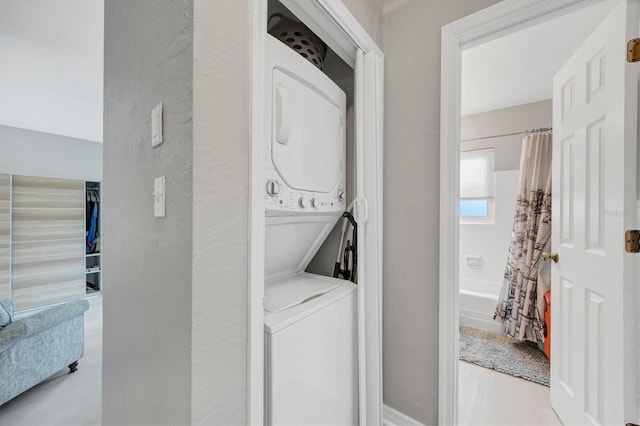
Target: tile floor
x,y
487,397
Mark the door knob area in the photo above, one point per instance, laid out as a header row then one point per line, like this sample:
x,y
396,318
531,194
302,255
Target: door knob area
x,y
551,258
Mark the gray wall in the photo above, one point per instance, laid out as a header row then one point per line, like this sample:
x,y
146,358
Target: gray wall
x,y
515,119
147,261
411,43
369,15
27,152
221,161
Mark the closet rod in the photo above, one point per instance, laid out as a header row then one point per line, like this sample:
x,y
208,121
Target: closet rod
x,y
543,129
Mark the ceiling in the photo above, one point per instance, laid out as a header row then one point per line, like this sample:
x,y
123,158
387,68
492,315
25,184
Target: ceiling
x,y
519,68
51,66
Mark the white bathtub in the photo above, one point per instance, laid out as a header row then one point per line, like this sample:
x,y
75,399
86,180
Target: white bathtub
x,y
478,300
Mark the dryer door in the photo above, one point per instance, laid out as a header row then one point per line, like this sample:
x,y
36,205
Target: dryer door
x,y
307,140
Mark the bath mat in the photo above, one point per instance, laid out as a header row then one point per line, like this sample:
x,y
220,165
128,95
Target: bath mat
x,y
504,354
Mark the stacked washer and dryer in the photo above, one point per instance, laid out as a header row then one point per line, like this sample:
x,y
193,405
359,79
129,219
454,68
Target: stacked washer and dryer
x,y
311,361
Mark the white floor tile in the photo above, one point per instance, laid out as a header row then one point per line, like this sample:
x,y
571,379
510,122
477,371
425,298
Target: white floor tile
x,y
487,397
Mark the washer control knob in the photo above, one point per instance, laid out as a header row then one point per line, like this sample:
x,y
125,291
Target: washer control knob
x,y
341,195
272,188
314,203
302,202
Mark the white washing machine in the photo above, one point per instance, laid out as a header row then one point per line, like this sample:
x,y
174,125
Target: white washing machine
x,y
311,374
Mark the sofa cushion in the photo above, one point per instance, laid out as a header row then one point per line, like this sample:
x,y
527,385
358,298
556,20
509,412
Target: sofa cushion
x,y
6,312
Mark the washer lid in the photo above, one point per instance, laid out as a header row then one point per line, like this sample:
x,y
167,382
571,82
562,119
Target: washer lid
x,y
294,290
319,292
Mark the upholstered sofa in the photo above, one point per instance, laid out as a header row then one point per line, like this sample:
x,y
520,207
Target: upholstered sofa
x,y
34,347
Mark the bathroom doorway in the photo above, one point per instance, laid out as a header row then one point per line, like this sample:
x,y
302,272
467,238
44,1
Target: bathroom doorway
x,y
459,37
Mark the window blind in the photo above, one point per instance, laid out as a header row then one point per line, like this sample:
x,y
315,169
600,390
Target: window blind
x,y
477,173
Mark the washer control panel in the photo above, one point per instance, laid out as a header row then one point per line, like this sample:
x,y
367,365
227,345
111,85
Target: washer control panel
x,y
278,196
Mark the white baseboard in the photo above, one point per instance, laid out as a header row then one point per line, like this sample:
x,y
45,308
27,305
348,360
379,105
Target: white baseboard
x,y
391,417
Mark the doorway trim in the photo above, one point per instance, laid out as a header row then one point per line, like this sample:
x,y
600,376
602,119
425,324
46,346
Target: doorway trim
x,y
491,23
333,22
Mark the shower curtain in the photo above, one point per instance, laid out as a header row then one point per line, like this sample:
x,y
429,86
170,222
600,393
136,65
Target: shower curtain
x,y
521,296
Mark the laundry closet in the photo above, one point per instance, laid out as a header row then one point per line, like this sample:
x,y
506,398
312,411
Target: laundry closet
x,y
310,289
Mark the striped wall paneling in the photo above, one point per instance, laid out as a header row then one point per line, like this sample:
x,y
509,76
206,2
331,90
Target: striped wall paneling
x,y
48,240
5,235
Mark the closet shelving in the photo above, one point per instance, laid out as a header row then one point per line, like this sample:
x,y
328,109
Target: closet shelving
x,y
93,256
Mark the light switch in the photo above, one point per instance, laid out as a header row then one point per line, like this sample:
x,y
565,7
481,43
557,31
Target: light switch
x,y
158,197
156,125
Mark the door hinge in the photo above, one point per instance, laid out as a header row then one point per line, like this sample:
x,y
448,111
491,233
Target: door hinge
x,y
632,241
633,50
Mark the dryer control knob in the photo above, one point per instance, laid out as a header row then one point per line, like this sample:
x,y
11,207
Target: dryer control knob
x,y
341,195
302,202
272,187
314,203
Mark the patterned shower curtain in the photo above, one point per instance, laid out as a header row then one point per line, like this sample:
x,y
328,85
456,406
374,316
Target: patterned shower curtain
x,y
518,306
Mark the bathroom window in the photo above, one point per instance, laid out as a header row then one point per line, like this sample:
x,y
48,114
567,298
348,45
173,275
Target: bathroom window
x,y
477,172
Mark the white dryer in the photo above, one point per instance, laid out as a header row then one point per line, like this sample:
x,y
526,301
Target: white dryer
x,y
311,372
306,150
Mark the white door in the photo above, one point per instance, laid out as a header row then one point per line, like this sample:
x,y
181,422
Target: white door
x,y
368,73
594,191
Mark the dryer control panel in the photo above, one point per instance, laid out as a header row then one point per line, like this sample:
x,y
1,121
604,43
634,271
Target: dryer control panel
x,y
280,197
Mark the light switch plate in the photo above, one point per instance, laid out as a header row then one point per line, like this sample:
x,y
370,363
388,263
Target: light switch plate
x,y
156,125
159,197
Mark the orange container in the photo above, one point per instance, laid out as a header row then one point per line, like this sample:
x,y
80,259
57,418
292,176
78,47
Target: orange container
x,y
547,322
